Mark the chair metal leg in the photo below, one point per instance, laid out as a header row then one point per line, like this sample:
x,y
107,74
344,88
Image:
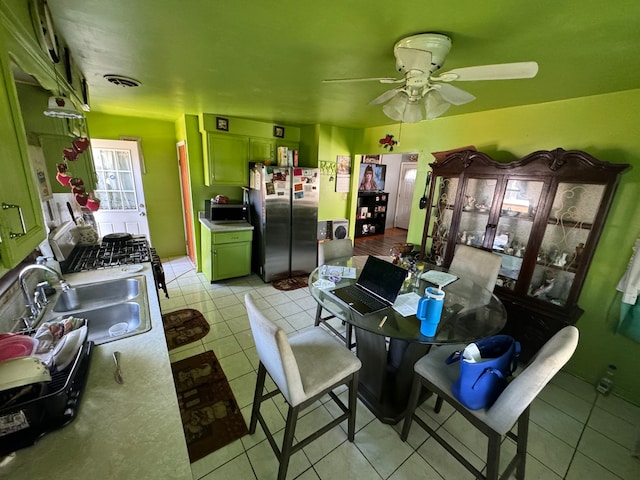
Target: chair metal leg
x,y
493,455
349,336
287,442
523,438
438,406
412,404
257,398
353,400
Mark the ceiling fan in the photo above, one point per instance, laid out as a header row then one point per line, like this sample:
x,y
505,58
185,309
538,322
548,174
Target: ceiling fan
x,y
424,95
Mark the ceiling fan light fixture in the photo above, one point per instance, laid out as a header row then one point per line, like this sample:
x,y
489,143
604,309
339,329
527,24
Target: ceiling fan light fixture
x,y
60,107
394,108
414,112
435,105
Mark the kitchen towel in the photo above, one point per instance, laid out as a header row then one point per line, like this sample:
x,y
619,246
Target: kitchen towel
x,y
629,285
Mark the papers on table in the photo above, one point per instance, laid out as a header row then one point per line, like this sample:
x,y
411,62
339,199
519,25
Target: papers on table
x,y
439,278
407,304
323,284
338,272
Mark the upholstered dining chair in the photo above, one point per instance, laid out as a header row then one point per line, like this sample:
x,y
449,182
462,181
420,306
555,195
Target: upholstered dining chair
x,y
480,266
511,407
328,251
304,367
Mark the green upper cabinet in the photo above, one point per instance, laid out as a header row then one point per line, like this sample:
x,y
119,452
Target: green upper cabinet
x,y
21,219
262,150
226,159
230,143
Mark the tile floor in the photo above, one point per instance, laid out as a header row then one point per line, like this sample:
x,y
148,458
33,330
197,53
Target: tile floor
x,y
575,434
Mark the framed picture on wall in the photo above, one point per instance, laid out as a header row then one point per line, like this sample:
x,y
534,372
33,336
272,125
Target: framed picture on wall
x,y
278,131
222,124
372,159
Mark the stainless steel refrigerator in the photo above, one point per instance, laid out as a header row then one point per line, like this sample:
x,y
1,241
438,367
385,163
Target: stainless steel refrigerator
x,y
284,214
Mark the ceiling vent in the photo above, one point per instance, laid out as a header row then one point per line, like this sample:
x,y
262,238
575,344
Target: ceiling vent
x,y
122,81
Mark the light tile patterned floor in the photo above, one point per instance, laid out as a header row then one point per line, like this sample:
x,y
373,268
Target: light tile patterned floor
x,y
575,434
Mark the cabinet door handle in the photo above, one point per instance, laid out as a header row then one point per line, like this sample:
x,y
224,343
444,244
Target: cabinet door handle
x,y
12,235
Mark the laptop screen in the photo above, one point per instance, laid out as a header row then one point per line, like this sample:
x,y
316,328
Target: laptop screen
x,y
382,277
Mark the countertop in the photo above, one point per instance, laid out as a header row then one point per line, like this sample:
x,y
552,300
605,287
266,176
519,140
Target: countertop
x,y
131,430
223,227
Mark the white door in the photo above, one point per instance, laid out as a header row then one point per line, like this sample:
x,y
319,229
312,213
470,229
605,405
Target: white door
x,y
122,205
406,185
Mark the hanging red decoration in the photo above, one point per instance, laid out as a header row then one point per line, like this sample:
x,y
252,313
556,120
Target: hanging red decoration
x,y
388,142
65,178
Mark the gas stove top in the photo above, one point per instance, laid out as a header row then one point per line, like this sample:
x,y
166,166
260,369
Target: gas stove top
x,y
129,250
108,254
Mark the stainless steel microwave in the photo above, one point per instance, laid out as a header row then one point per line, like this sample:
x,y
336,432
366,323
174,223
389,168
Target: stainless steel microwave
x,y
226,212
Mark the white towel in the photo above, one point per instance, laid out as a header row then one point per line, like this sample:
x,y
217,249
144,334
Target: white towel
x,y
629,285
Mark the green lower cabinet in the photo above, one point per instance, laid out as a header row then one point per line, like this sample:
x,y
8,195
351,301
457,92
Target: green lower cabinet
x,y
226,254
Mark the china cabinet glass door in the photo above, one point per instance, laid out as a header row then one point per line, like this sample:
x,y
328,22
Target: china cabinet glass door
x,y
513,231
569,225
440,218
474,217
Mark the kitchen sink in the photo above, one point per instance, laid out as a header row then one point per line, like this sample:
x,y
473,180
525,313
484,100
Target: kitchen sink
x,y
104,293
100,320
105,304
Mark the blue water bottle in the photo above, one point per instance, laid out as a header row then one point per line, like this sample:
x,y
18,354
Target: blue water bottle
x,y
430,310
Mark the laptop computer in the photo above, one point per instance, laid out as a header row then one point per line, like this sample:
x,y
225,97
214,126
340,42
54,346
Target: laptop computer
x,y
376,288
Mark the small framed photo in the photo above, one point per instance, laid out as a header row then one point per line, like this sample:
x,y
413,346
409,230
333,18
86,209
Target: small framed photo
x,y
377,159
222,124
278,131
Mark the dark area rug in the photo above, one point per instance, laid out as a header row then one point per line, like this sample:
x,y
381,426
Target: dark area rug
x,y
292,283
184,326
210,415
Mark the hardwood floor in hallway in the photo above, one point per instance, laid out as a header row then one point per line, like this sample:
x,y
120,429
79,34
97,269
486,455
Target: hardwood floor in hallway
x,y
379,244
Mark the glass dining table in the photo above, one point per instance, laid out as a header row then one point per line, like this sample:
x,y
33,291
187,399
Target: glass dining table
x,y
389,343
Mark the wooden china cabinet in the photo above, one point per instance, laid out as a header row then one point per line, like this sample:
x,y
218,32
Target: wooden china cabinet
x,y
543,214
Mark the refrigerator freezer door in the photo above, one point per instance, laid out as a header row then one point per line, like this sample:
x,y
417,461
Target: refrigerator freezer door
x,y
304,224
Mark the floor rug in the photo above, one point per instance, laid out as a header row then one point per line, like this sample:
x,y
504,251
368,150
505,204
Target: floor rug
x,y
210,414
184,326
292,283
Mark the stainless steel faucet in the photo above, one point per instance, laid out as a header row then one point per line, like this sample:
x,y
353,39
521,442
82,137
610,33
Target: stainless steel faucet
x,y
36,303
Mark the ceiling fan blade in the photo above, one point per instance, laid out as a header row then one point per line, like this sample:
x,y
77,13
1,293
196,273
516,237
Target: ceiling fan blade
x,y
375,79
386,96
500,71
453,95
412,59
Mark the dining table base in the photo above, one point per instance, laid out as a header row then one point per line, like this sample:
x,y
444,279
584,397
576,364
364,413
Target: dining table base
x,y
387,373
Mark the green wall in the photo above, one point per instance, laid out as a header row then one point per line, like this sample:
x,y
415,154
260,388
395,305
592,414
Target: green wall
x,y
162,179
604,126
331,142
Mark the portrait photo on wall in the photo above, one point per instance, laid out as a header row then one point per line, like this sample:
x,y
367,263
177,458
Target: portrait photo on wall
x,y
372,177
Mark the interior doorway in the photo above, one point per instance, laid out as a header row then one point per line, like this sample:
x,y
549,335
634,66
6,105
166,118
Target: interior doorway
x,y
119,171
187,212
406,185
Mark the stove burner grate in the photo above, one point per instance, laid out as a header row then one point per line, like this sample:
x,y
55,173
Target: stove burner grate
x,y
108,254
